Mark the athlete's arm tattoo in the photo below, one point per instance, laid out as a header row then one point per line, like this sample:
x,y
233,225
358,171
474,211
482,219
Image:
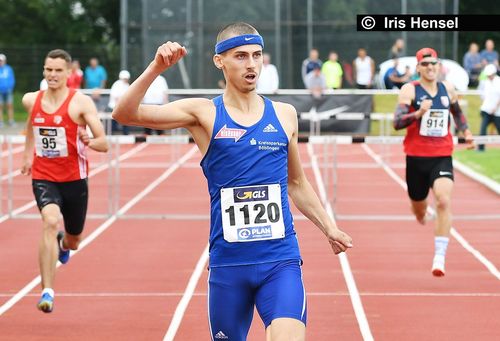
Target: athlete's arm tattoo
x,y
458,116
402,117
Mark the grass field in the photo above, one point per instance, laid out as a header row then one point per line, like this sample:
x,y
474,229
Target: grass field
x,y
487,162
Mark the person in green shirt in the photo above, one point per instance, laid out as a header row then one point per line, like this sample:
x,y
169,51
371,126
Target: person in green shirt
x,y
332,71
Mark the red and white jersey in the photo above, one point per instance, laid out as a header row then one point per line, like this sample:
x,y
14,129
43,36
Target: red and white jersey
x,y
430,135
60,155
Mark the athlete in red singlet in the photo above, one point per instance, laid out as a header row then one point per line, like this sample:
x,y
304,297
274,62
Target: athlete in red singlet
x,y
424,110
55,156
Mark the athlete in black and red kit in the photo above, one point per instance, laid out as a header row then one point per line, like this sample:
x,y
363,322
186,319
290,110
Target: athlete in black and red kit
x,y
424,109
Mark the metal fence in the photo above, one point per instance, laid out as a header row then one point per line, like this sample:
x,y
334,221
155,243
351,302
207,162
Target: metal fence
x,y
290,28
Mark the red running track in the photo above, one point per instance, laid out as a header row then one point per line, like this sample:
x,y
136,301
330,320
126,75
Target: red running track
x,y
127,282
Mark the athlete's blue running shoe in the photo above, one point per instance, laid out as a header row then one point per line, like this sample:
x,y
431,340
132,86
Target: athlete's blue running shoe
x,y
46,303
63,255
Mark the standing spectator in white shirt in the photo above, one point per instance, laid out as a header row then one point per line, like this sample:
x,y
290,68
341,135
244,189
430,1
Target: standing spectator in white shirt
x,y
490,93
117,90
268,81
363,70
157,94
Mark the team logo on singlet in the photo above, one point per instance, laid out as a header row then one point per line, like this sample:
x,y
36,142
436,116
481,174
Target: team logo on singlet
x,y
445,101
230,133
270,129
38,118
57,119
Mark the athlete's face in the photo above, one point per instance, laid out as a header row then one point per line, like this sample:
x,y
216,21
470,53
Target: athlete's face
x,y
241,66
428,68
56,72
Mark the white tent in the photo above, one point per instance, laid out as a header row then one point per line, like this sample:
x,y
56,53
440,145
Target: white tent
x,y
454,73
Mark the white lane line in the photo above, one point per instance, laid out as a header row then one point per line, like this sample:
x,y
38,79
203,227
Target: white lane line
x,y
92,173
487,263
357,305
186,297
31,285
395,217
311,294
466,245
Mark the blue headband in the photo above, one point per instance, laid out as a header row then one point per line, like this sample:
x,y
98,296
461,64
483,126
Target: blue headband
x,y
245,39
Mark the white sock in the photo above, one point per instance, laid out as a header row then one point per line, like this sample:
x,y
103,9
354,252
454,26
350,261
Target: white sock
x,y
49,291
440,246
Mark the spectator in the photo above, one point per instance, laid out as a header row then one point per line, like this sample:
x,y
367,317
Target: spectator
x,y
7,82
157,94
268,80
316,81
472,64
348,80
117,90
76,76
363,70
95,78
490,94
308,64
489,55
332,71
397,49
395,79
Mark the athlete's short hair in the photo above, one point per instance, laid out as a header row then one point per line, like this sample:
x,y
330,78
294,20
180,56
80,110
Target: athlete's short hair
x,y
59,53
235,29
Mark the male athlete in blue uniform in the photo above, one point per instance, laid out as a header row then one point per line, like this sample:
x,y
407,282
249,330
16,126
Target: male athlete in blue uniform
x,y
252,164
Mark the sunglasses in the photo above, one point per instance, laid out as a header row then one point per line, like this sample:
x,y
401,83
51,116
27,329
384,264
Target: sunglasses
x,y
427,63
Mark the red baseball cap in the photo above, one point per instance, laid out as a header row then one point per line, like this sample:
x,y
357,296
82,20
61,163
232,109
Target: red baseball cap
x,y
426,52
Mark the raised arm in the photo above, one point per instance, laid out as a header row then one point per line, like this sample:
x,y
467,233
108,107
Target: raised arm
x,y
173,115
304,197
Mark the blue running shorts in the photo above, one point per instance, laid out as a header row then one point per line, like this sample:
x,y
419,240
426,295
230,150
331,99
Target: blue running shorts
x,y
276,289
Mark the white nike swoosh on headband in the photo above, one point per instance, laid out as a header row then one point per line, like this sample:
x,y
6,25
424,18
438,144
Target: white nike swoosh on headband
x,y
247,39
